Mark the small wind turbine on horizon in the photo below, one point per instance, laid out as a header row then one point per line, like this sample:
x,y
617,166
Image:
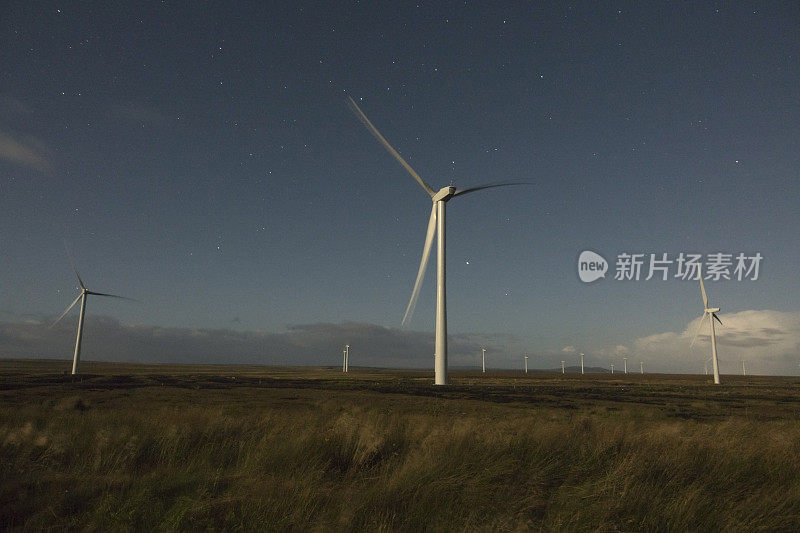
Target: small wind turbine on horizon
x,y
641,367
562,367
526,364
625,361
436,225
612,368
711,312
581,363
82,297
484,359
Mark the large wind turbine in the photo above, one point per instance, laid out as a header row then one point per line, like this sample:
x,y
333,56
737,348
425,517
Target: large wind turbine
x,y
82,297
711,312
436,224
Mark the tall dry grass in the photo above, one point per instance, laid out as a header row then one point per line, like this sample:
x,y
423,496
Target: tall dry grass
x,y
150,459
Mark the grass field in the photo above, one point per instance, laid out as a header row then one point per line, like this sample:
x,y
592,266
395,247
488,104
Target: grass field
x,y
143,447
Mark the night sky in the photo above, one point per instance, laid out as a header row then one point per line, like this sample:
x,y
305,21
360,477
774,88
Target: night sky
x,y
201,158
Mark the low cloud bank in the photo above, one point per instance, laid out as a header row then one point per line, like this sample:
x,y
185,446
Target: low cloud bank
x,y
768,341
106,339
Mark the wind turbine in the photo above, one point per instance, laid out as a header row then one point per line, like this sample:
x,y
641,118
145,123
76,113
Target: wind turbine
x,y
612,368
526,364
581,363
711,312
562,367
744,372
436,224
484,358
344,361
641,367
82,297
625,361
347,358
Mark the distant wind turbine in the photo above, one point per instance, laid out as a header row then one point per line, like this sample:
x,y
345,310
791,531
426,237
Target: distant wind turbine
x,y
436,224
744,371
526,364
641,367
581,363
625,361
82,297
612,368
344,360
711,313
347,358
484,358
562,367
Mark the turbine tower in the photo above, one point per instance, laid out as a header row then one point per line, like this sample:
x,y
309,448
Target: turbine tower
x,y
612,368
744,371
344,361
484,358
436,224
76,358
625,362
581,363
526,364
347,358
641,367
711,313
562,367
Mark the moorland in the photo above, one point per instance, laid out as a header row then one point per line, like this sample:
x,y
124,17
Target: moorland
x,y
143,447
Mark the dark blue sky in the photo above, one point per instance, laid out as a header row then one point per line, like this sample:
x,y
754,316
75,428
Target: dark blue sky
x,y
201,158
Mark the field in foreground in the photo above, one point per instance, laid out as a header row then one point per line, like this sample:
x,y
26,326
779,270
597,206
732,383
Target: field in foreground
x,y
170,447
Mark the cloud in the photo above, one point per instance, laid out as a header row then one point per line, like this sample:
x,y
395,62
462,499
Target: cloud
x,y
769,342
29,153
107,339
568,349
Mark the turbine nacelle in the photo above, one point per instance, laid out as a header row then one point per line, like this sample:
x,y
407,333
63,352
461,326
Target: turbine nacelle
x,y
444,194
712,310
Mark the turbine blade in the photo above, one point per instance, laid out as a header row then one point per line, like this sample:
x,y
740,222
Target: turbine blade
x,y
72,262
423,264
79,277
700,325
67,310
491,185
360,114
718,320
703,289
110,295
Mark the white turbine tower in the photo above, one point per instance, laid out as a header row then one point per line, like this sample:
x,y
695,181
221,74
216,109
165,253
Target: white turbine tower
x,y
744,371
625,361
347,358
526,364
82,297
436,224
612,368
344,360
581,363
484,358
641,367
562,367
711,313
